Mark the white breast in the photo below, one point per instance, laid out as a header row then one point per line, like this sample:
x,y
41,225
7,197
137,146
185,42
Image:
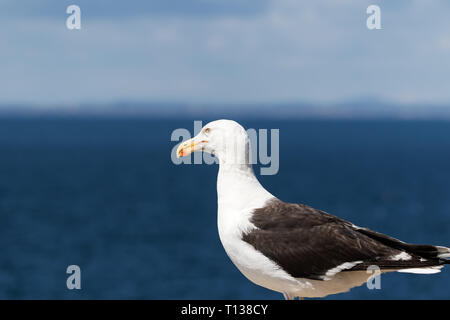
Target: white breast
x,y
239,194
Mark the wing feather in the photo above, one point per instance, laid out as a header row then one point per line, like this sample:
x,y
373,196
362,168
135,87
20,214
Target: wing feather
x,y
308,243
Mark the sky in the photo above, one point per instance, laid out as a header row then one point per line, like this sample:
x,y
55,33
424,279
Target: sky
x,y
224,51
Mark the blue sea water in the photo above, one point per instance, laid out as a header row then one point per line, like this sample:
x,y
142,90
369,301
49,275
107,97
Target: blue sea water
x,y
103,194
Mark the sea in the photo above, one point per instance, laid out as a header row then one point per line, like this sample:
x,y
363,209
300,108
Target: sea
x,y
103,194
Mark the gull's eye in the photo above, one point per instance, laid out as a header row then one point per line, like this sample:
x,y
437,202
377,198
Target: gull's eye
x,y
207,130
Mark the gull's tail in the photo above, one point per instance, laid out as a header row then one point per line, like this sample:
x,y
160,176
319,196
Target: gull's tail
x,y
443,253
425,259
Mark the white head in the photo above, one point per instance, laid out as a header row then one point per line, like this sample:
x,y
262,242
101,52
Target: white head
x,y
226,139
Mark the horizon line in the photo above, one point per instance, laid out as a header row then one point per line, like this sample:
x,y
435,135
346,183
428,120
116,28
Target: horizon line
x,y
351,109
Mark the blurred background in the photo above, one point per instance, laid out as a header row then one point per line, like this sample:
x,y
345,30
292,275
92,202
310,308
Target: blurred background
x,y
86,116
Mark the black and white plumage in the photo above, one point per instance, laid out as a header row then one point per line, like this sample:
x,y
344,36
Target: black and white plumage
x,y
292,248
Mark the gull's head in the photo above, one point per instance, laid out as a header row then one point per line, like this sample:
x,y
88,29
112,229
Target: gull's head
x,y
226,139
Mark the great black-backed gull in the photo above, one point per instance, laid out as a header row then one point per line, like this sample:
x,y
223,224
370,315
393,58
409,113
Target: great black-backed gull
x,y
292,248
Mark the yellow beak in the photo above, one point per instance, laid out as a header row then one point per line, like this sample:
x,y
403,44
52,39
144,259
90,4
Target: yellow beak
x,y
187,147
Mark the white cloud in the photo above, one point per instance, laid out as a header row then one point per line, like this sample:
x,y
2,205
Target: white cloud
x,y
292,51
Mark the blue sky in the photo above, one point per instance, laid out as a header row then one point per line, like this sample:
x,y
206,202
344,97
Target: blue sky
x,y
224,51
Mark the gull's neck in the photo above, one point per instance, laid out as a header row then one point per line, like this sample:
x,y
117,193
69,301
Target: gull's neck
x,y
238,189
239,192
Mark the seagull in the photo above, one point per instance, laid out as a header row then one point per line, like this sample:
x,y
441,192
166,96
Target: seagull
x,y
292,248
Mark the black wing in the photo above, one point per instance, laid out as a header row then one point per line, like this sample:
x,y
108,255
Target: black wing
x,y
307,242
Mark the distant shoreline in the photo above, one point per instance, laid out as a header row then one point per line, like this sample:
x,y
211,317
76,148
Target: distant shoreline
x,y
349,110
